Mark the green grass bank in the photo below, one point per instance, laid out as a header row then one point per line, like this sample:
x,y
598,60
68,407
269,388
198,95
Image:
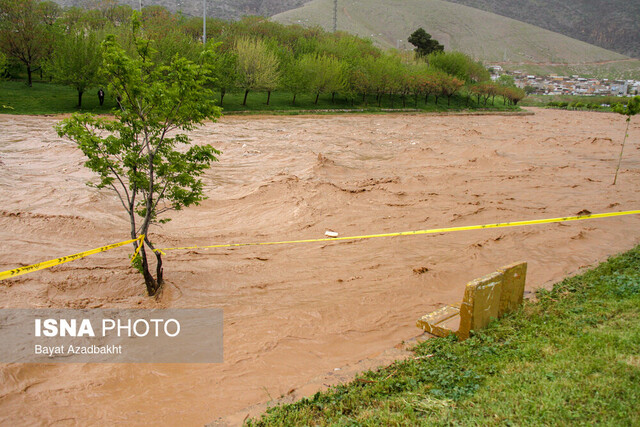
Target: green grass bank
x,y
48,98
571,357
544,100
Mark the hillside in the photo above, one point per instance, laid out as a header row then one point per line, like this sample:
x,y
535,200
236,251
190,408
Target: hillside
x,y
224,9
483,35
612,24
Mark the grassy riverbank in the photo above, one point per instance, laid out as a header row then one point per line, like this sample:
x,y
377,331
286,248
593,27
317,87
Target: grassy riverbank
x,y
571,357
47,98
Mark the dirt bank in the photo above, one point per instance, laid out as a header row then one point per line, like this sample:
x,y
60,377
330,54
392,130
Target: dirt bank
x,y
293,313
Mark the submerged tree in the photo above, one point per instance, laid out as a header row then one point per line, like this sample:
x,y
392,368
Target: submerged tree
x,y
631,109
141,155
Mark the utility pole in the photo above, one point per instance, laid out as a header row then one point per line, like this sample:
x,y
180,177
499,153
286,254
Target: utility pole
x,y
335,15
204,22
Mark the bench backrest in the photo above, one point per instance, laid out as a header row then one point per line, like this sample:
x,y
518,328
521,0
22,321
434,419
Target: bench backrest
x,y
491,297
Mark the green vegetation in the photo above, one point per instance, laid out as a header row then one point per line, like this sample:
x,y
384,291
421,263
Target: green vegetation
x,y
51,99
27,31
580,102
256,55
569,358
3,65
141,155
583,104
76,60
46,98
257,66
570,101
424,43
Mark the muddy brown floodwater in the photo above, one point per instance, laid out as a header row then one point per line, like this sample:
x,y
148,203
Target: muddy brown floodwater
x,y
295,313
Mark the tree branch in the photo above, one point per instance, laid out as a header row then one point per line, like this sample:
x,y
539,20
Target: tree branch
x,y
121,199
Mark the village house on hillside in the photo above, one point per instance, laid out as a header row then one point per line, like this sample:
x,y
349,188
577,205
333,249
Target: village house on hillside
x,y
569,85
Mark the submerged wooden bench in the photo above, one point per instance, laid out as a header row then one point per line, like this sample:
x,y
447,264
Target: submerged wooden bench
x,y
489,297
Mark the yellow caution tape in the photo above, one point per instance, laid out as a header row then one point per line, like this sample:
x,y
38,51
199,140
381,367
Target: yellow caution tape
x,y
140,243
51,263
413,233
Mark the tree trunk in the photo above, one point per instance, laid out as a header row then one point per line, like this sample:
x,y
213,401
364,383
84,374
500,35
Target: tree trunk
x,y
333,96
391,96
159,270
268,96
436,99
222,94
449,99
426,99
29,75
416,100
294,99
149,281
379,100
317,97
79,99
246,92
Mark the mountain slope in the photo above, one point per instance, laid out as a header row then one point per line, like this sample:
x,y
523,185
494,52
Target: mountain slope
x,y
612,24
223,9
481,34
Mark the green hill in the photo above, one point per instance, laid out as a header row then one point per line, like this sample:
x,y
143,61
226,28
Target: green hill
x,y
483,35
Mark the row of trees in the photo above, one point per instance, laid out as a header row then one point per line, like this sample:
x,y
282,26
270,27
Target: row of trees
x,y
253,54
